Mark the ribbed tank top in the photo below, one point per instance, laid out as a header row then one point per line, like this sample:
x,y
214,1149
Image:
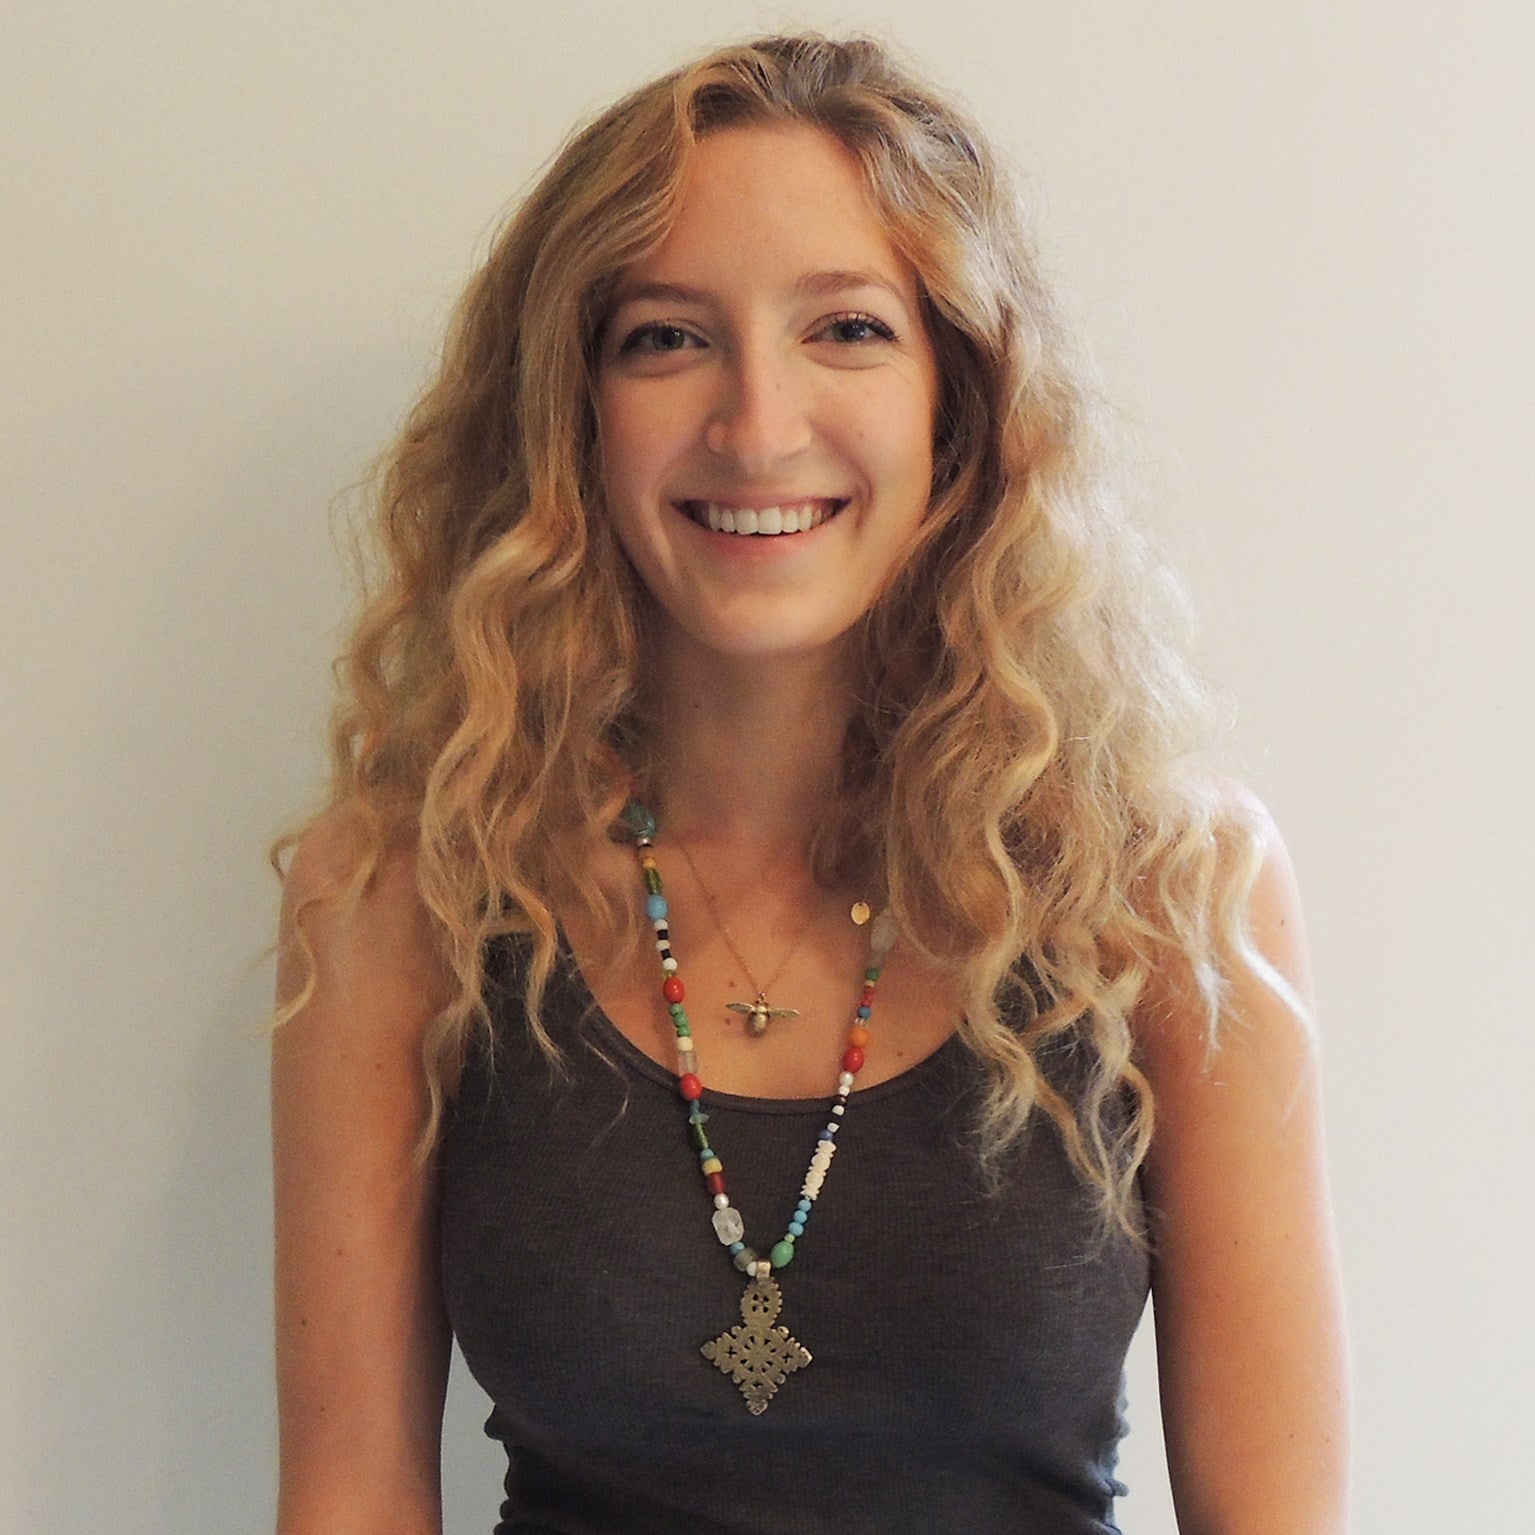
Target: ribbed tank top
x,y
968,1346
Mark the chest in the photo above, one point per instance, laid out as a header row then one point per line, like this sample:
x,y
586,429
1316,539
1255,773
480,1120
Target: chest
x,y
806,968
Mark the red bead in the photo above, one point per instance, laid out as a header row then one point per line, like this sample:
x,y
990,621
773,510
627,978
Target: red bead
x,y
715,1182
672,988
690,1086
866,996
852,1059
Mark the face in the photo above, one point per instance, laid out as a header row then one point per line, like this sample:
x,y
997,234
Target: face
x,y
765,400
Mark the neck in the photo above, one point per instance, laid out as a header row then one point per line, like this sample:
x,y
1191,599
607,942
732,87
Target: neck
x,y
749,748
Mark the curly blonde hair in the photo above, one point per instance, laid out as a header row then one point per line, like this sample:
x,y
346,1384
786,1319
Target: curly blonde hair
x,y
1018,777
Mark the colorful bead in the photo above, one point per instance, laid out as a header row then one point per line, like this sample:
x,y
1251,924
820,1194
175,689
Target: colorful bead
x,y
728,1223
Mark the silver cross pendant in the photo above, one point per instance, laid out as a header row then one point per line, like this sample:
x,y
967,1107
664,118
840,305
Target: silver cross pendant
x,y
757,1355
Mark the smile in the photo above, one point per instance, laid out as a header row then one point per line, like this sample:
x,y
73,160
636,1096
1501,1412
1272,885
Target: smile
x,y
761,522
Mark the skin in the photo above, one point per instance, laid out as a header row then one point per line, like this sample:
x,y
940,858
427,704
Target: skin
x,y
765,381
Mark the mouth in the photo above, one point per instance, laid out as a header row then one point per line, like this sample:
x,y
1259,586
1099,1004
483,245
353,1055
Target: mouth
x,y
761,522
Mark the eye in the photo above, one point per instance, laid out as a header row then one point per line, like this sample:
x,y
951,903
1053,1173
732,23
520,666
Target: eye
x,y
856,329
657,338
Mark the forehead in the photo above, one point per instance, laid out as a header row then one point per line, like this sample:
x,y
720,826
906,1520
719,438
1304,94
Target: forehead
x,y
773,200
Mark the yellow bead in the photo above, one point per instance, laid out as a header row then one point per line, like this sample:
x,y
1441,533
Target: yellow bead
x,y
713,1165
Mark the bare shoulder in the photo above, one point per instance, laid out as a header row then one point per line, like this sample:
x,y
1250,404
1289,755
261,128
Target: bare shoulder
x,y
355,940
1270,993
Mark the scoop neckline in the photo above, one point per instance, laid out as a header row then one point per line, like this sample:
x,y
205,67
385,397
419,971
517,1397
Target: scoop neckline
x,y
647,1066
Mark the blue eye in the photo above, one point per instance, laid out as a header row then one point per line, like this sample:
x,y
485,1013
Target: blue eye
x,y
657,338
853,329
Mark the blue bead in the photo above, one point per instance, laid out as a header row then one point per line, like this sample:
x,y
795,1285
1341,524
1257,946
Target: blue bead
x,y
655,907
738,1247
796,1229
865,1012
825,1135
803,1207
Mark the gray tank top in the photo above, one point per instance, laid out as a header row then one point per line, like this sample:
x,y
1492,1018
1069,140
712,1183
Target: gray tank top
x,y
968,1348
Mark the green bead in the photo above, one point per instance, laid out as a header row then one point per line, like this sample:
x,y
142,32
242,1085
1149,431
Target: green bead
x,y
677,1011
699,1134
782,1254
653,881
872,973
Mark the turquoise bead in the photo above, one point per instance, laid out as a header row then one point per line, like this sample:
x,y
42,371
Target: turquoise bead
x,y
796,1227
655,907
782,1254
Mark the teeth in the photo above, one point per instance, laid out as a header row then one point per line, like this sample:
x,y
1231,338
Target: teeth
x,y
768,521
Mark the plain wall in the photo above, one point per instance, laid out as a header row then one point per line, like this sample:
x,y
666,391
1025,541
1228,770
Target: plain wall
x,y
1298,237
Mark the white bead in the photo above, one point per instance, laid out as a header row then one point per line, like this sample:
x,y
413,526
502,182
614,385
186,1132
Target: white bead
x,y
845,1081
669,965
813,1181
883,934
839,1109
728,1225
764,1268
722,1201
659,924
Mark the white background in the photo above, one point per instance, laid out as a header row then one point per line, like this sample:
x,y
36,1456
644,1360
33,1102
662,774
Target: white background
x,y
1298,236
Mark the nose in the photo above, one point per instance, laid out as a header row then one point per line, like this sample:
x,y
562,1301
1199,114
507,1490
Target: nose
x,y
761,416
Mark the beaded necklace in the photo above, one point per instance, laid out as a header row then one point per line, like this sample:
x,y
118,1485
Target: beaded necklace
x,y
757,1353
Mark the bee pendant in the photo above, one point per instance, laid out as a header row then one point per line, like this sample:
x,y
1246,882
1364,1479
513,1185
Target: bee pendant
x,y
758,1012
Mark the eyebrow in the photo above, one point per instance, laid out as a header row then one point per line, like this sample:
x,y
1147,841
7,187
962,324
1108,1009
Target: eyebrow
x,y
812,284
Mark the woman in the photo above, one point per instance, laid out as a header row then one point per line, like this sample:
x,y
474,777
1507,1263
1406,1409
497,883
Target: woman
x,y
763,746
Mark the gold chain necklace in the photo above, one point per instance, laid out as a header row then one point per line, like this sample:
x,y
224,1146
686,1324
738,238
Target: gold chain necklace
x,y
759,1010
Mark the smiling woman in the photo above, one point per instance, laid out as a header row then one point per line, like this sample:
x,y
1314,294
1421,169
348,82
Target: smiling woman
x,y
766,369
766,752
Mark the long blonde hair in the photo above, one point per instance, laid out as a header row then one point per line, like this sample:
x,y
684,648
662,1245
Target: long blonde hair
x,y
1018,777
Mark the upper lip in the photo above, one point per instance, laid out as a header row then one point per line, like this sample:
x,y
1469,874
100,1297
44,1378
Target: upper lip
x,y
760,503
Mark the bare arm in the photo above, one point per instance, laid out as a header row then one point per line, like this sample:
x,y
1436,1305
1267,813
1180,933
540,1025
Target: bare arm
x,y
362,1344
1249,1310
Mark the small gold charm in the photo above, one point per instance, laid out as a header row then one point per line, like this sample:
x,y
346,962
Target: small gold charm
x,y
861,912
758,1013
755,1354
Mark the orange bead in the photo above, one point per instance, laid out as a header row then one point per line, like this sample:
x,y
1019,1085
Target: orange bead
x,y
858,1036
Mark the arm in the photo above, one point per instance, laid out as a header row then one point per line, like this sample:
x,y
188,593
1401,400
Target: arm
x,y
362,1343
1248,1301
